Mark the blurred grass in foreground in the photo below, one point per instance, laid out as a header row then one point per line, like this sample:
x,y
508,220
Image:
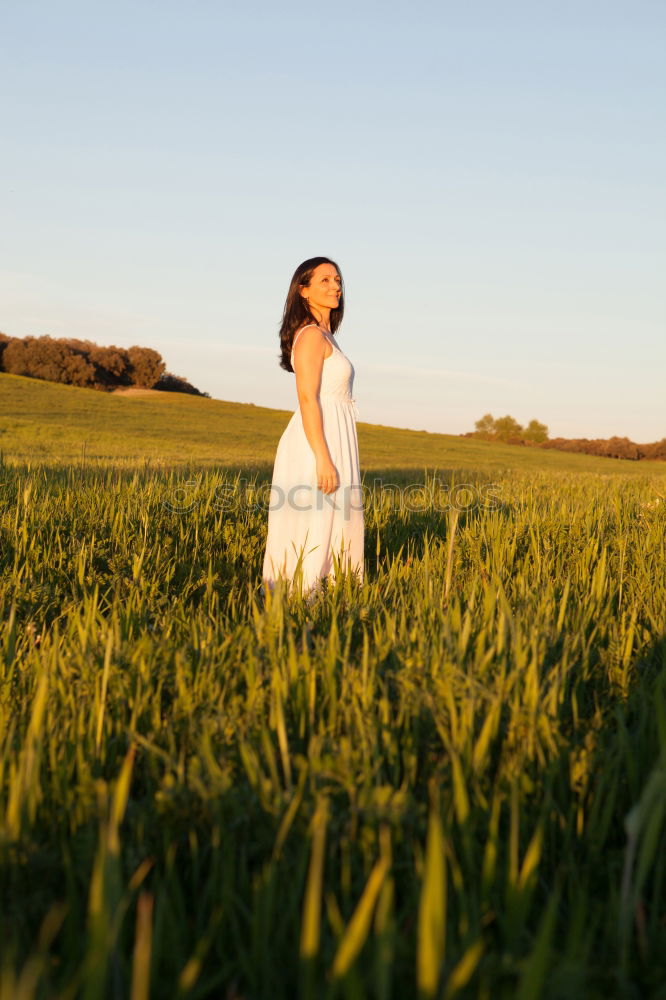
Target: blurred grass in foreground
x,y
413,787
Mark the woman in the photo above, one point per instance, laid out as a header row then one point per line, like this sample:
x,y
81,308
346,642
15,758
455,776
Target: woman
x,y
315,515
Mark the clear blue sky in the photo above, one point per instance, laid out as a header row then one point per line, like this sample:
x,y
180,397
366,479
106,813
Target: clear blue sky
x,y
489,177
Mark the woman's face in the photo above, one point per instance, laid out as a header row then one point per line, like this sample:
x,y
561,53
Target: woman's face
x,y
324,290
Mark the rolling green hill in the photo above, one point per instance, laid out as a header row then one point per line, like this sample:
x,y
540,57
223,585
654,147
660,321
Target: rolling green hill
x,y
49,422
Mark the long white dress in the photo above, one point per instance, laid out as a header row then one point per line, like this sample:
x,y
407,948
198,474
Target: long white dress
x,y
310,533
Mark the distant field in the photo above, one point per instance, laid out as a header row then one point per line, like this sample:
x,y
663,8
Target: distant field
x,y
45,421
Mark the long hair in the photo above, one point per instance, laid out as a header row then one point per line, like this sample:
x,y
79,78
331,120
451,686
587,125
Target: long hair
x,y
296,309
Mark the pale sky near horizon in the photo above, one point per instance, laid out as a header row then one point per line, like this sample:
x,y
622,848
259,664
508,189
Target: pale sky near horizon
x,y
489,178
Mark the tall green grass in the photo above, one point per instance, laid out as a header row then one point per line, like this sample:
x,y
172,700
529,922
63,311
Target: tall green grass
x,y
447,781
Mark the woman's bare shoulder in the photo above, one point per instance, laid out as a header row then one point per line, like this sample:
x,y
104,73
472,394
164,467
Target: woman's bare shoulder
x,y
308,326
314,337
310,332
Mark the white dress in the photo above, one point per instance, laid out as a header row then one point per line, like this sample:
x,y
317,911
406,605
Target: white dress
x,y
311,533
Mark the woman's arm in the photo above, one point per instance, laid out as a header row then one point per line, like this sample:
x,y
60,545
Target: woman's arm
x,y
309,355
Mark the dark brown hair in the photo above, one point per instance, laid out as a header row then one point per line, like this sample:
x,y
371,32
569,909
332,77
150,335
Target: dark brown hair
x,y
297,312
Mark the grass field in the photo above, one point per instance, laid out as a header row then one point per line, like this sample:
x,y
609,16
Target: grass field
x,y
61,423
447,782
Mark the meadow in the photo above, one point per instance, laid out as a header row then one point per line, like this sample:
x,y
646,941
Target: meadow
x,y
447,781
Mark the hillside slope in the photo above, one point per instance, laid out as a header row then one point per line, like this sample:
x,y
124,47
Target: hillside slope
x,y
51,422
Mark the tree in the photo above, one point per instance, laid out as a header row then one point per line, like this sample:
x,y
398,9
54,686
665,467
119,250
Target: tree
x,y
14,357
4,340
168,382
84,363
535,432
78,371
112,364
485,427
506,427
48,359
146,366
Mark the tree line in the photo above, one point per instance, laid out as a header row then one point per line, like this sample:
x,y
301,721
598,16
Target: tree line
x,y
509,431
89,365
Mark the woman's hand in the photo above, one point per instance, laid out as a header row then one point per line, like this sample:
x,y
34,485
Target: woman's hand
x,y
327,475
